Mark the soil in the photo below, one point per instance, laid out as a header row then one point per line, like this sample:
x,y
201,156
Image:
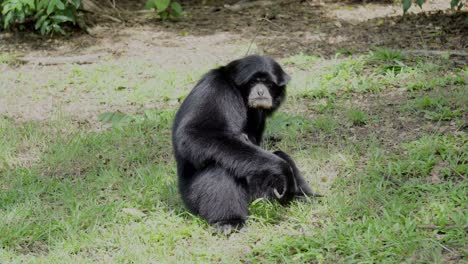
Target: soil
x,y
317,27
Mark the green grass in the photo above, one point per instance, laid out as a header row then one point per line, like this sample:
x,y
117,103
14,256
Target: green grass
x,y
387,55
441,105
357,117
10,58
436,82
391,162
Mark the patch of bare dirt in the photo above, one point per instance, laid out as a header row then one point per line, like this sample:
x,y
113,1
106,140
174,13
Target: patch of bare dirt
x,y
368,11
289,27
165,50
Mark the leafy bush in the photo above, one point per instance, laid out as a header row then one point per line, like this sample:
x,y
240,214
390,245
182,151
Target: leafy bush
x,y
47,15
458,4
167,9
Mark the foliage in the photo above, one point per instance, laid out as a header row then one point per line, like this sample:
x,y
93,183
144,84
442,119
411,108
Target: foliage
x,y
167,9
387,55
458,4
357,117
47,15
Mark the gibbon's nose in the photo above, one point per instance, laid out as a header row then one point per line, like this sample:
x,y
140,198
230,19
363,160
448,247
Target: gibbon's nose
x,y
260,92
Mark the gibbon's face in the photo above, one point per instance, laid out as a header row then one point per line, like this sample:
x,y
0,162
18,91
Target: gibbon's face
x,y
264,93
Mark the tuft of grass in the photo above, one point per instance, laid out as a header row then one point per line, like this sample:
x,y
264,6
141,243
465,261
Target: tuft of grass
x,y
387,55
389,62
439,106
266,212
344,51
428,102
301,61
430,84
357,117
442,114
326,105
326,124
286,125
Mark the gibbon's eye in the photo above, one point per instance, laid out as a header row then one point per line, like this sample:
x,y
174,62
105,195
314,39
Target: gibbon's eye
x,y
269,84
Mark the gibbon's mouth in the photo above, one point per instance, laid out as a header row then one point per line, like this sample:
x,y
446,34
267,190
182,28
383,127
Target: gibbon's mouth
x,y
260,102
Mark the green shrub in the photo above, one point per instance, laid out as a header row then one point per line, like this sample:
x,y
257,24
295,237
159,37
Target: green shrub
x,y
47,15
167,9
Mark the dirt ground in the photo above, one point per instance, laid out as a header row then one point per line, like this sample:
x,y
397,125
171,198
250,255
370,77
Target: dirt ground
x,y
210,34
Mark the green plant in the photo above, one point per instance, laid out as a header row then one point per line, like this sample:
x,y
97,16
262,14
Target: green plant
x,y
265,211
389,63
442,113
387,55
283,124
47,15
429,84
325,124
167,9
427,102
16,11
357,117
458,4
438,108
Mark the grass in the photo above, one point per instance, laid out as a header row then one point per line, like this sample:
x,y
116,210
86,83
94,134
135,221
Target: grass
x,y
357,117
391,162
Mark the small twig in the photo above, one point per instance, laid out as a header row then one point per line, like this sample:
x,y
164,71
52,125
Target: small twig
x,y
91,7
440,244
110,17
255,36
422,39
434,227
437,52
389,178
143,11
459,174
116,8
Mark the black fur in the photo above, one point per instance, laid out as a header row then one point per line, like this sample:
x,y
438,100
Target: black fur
x,y
216,137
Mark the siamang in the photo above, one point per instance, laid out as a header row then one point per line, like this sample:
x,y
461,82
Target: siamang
x,y
216,136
